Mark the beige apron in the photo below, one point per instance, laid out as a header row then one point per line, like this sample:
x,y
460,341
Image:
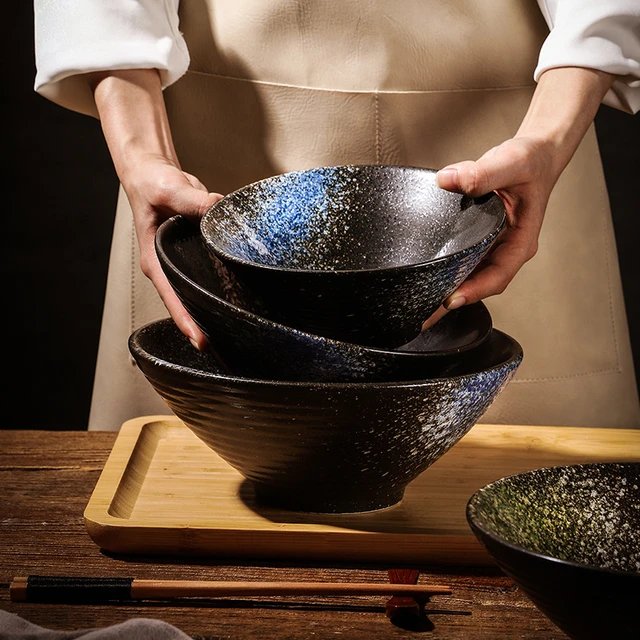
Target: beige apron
x,y
279,85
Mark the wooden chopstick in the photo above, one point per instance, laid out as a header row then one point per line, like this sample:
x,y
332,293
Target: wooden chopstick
x,y
37,588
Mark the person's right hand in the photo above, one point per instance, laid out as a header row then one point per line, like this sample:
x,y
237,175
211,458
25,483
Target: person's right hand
x,y
136,128
157,189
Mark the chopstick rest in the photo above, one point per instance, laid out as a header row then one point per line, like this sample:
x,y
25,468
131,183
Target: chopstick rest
x,y
403,605
36,588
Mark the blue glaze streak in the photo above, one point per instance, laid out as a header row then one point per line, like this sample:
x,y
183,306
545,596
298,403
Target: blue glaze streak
x,y
287,215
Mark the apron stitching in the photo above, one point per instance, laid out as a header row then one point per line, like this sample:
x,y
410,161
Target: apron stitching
x,y
302,34
610,370
603,210
132,318
361,91
570,377
376,102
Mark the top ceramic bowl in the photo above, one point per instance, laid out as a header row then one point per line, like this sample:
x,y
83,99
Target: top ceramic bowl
x,y
319,447
253,346
570,537
360,253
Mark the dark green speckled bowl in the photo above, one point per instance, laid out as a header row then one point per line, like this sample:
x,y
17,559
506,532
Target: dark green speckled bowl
x,y
570,538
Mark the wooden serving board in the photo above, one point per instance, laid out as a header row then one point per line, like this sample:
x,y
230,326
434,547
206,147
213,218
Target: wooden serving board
x,y
163,491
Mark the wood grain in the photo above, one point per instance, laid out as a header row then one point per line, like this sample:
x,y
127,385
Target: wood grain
x,y
164,491
46,480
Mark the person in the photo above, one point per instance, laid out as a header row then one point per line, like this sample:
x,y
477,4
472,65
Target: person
x,y
198,98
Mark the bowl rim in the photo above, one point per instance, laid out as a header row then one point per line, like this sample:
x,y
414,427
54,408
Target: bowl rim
x,y
178,220
136,350
474,524
224,255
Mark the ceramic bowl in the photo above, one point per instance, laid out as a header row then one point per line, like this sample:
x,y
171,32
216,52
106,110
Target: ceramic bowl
x,y
570,538
322,447
254,346
362,254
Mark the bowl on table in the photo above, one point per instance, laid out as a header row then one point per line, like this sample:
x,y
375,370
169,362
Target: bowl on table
x,y
254,346
323,447
358,253
569,536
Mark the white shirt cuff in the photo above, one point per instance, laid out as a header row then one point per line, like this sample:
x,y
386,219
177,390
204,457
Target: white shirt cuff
x,y
598,35
75,37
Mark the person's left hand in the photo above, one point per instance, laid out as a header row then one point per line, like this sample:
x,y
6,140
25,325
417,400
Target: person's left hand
x,y
522,173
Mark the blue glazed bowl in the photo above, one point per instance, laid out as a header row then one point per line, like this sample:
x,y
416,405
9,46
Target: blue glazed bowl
x,y
358,253
323,447
254,346
570,538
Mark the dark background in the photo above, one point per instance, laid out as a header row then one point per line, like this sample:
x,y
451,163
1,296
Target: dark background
x,y
57,235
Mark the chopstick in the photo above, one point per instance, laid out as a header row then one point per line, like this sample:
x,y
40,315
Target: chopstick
x,y
36,588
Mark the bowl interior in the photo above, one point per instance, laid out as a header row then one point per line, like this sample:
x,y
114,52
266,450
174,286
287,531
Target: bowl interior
x,y
586,514
181,250
184,256
350,217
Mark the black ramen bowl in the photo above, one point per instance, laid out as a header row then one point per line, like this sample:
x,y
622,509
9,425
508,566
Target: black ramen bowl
x,y
570,538
252,346
322,447
358,253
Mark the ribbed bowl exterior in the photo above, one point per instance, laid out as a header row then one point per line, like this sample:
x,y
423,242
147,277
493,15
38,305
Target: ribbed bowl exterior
x,y
318,447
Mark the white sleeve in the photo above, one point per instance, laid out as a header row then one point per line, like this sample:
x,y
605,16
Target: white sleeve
x,y
599,34
74,37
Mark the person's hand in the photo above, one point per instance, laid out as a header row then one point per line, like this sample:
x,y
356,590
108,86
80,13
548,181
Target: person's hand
x,y
156,190
136,128
523,172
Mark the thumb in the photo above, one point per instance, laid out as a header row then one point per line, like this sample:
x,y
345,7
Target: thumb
x,y
196,204
500,167
471,178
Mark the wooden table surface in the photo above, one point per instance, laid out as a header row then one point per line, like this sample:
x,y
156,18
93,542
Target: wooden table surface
x,y
46,479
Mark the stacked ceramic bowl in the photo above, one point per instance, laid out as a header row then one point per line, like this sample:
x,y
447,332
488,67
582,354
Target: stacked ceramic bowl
x,y
312,288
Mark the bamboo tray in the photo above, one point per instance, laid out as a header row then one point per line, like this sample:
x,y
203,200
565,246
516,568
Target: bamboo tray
x,y
163,491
